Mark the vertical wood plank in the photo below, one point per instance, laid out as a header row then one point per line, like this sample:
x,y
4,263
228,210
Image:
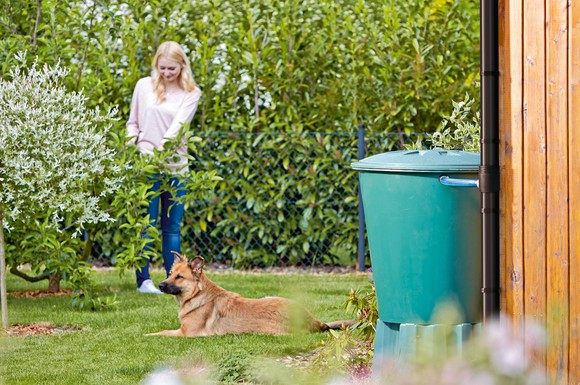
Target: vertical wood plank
x,y
574,180
557,261
511,159
534,164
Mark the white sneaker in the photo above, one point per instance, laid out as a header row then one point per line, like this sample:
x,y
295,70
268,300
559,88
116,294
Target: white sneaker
x,y
148,287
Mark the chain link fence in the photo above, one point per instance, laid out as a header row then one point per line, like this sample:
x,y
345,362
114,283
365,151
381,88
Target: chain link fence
x,y
288,199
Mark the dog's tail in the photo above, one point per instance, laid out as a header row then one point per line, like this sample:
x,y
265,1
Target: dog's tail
x,y
338,325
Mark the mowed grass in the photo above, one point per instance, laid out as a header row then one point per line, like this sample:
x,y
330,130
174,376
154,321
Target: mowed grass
x,y
111,347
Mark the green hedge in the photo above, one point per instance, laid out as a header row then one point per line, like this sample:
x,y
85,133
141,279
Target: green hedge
x,y
286,198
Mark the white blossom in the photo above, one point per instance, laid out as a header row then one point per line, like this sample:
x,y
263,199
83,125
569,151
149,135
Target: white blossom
x,y
53,147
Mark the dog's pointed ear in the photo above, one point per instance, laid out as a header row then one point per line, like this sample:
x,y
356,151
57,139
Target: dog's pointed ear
x,y
178,257
197,265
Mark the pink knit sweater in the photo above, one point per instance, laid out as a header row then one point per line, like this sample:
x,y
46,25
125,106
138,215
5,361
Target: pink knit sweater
x,y
150,123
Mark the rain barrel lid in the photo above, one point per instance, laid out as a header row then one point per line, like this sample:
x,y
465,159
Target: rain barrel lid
x,y
420,161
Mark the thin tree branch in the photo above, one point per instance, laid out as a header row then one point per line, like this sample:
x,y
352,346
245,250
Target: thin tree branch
x,y
27,277
86,50
37,23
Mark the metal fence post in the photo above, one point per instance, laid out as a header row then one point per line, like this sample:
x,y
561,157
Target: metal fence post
x,y
361,214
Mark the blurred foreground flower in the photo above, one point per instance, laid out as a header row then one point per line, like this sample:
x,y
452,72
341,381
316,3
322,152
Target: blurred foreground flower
x,y
495,356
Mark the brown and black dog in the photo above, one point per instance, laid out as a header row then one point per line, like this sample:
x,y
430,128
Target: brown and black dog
x,y
205,309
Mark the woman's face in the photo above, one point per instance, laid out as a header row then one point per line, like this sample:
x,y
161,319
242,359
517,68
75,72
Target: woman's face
x,y
168,69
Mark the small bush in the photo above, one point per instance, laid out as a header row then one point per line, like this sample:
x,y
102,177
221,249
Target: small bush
x,y
461,130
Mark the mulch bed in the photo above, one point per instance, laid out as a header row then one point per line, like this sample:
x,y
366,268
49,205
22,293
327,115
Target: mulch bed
x,y
41,328
39,293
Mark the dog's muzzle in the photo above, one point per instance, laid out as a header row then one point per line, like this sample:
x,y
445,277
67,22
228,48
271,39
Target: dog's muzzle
x,y
169,288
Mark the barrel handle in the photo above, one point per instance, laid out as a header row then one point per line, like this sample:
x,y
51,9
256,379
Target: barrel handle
x,y
454,182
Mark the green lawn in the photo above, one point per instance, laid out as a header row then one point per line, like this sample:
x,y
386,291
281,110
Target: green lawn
x,y
111,348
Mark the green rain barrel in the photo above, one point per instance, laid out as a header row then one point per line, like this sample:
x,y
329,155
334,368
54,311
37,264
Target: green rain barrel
x,y
422,212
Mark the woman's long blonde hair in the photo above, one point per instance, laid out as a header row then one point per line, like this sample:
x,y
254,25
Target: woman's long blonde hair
x,y
172,51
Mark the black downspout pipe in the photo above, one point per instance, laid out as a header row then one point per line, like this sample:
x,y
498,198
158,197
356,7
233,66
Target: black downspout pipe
x,y
489,168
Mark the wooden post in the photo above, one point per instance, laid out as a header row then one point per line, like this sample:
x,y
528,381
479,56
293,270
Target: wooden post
x,y
557,255
574,187
511,158
540,195
534,129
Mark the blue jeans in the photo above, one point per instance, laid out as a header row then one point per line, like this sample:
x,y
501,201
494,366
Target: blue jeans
x,y
171,217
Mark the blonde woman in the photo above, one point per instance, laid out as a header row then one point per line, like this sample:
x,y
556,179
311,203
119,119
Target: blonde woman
x,y
162,103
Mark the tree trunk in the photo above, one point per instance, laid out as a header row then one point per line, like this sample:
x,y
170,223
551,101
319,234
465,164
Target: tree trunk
x,y
54,282
88,246
3,296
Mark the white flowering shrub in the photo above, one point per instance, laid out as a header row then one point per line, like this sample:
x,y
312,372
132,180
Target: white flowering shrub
x,y
53,148
56,168
460,130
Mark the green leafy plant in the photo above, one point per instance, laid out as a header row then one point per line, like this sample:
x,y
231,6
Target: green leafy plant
x,y
364,306
351,351
235,368
460,130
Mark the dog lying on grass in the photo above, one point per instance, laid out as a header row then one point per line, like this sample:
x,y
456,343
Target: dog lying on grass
x,y
205,309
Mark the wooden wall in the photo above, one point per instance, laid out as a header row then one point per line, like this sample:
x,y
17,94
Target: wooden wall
x,y
540,174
